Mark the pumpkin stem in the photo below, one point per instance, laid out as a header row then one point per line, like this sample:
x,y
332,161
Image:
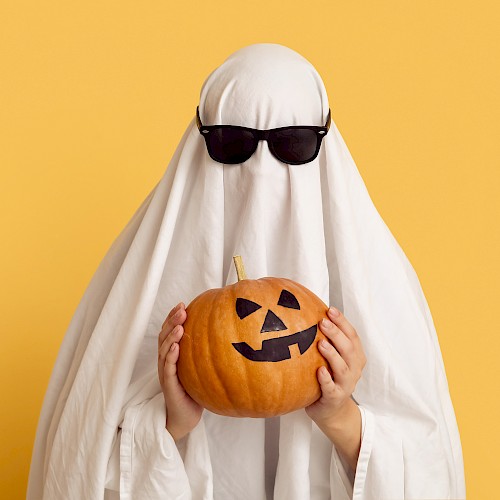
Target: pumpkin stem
x,y
240,268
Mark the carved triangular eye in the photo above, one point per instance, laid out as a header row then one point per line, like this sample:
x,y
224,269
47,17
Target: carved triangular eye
x,y
245,307
287,299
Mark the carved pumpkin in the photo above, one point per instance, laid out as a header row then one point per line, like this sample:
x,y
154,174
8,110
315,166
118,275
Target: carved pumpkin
x,y
250,349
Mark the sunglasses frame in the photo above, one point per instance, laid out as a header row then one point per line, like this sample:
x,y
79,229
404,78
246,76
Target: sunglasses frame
x,y
263,135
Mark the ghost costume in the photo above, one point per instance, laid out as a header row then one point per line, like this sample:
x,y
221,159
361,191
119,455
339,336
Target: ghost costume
x,y
102,431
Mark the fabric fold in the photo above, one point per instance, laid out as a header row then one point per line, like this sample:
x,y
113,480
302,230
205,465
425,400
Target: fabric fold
x,y
150,464
292,476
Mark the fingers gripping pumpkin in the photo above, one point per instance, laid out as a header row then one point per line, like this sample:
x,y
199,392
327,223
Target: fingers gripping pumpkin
x,y
250,349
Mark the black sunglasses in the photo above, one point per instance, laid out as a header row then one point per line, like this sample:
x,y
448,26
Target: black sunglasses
x,y
232,144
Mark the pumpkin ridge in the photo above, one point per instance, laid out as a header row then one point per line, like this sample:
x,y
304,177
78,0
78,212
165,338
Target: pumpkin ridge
x,y
215,365
189,355
195,363
196,355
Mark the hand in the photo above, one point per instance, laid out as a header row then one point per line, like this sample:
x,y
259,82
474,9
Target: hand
x,y
346,359
183,413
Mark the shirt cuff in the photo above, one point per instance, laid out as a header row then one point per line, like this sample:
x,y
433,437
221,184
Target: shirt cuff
x,y
150,464
342,477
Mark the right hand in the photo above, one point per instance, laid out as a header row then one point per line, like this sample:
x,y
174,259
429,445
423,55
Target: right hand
x,y
183,413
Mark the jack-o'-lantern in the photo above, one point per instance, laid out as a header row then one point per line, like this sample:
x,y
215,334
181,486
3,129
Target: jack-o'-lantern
x,y
250,349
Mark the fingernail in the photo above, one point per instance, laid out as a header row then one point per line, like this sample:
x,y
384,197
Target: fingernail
x,y
334,312
325,344
173,347
326,323
323,370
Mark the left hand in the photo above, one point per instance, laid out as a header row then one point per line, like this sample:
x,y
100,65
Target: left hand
x,y
346,359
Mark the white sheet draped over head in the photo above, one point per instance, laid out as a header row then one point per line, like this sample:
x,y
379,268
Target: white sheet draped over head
x,y
314,223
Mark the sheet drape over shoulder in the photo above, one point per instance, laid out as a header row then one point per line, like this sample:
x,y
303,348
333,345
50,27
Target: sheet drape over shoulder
x,y
102,423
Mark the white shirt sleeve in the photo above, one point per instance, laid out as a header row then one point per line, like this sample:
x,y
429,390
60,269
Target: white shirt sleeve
x,y
341,476
393,463
151,466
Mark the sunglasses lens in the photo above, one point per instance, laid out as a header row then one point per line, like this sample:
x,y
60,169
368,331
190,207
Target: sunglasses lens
x,y
229,145
295,145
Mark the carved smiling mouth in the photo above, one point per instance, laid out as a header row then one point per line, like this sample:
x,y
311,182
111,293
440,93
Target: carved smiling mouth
x,y
278,349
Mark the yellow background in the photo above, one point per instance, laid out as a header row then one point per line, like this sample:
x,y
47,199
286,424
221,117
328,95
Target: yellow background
x,y
94,97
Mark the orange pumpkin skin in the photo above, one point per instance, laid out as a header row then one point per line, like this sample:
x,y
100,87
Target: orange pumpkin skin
x,y
219,377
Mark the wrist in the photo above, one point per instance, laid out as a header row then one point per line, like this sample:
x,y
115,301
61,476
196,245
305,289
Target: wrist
x,y
337,421
176,433
343,429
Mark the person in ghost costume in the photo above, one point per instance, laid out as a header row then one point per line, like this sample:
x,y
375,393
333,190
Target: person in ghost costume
x,y
104,431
